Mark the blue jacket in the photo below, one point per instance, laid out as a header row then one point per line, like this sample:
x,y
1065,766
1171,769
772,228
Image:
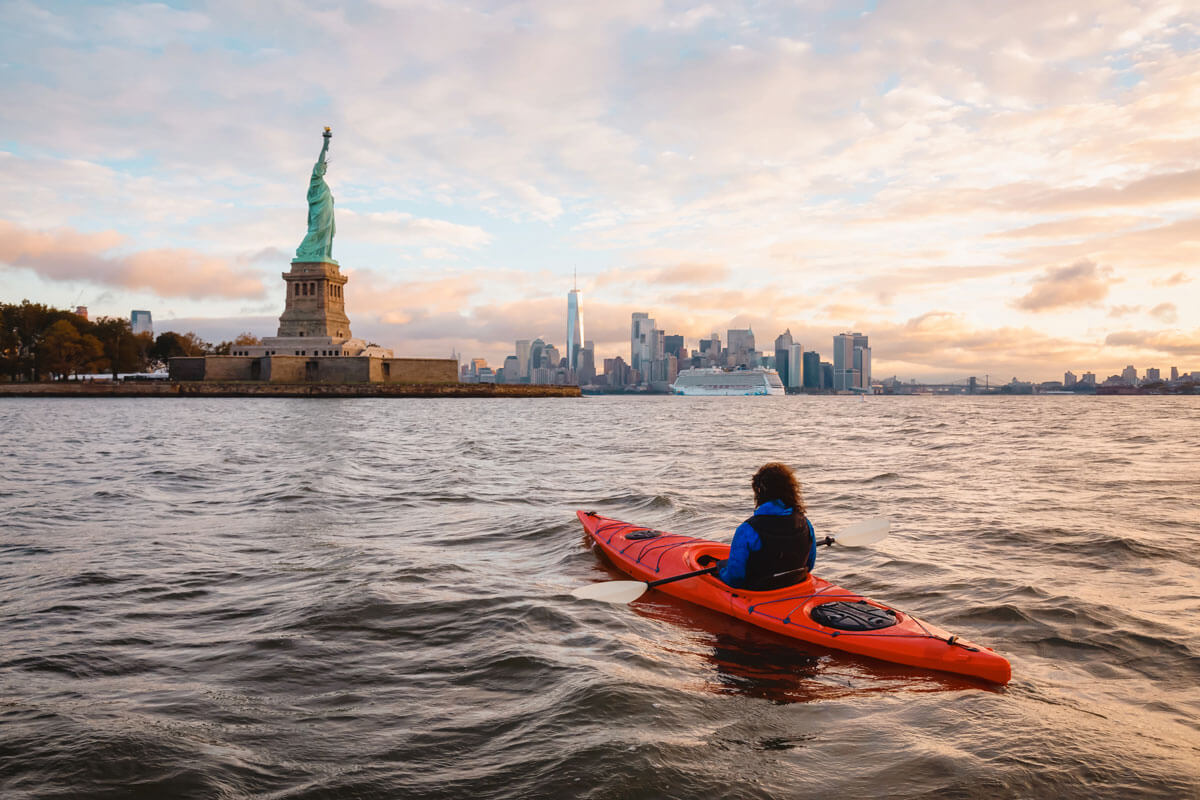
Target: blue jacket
x,y
746,541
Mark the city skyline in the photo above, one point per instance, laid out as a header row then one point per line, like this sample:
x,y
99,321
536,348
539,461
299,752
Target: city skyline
x,y
657,356
1011,193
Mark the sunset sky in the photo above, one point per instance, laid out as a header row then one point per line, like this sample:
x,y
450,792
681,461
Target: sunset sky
x,y
1008,188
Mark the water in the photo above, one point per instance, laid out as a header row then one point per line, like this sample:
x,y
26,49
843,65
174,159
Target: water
x,y
369,598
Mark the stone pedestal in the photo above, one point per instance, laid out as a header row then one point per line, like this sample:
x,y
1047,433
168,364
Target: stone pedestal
x,y
314,322
315,304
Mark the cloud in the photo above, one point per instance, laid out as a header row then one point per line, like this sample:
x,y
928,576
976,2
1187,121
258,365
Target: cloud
x,y
1078,284
1123,311
1165,312
693,273
269,255
374,293
1173,343
1178,279
1173,244
1037,197
396,227
887,286
67,255
946,344
1071,228
218,329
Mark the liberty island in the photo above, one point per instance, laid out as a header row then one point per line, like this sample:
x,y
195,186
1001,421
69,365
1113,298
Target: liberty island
x,y
314,352
314,343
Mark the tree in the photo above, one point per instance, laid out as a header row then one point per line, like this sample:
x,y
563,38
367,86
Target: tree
x,y
170,345
10,342
144,342
194,345
65,350
28,324
241,340
121,348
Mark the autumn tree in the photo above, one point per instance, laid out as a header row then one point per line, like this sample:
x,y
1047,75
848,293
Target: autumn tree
x,y
170,345
122,350
65,350
241,340
25,327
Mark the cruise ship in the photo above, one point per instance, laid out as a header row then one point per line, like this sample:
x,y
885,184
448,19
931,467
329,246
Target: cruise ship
x,y
714,381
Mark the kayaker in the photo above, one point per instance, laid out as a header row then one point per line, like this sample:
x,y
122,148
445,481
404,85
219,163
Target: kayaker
x,y
776,547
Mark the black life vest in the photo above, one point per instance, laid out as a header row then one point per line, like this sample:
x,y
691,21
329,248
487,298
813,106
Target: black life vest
x,y
784,548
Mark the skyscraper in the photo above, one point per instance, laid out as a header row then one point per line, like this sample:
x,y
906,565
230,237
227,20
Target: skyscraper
x,y
741,346
812,370
522,372
141,322
512,369
574,328
783,344
587,364
536,348
640,341
843,361
710,350
795,365
862,367
862,361
851,361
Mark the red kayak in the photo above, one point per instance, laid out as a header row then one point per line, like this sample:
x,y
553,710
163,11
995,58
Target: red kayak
x,y
814,611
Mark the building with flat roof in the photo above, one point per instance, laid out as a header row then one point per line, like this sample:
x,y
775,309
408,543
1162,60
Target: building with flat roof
x,y
141,322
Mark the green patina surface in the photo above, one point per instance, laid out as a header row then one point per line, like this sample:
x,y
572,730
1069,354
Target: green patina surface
x,y
318,242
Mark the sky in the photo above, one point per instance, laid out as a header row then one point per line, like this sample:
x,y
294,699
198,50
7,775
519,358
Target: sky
x,y
1008,189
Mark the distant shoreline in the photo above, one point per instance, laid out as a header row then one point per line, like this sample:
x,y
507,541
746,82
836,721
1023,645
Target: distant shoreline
x,y
105,389
163,388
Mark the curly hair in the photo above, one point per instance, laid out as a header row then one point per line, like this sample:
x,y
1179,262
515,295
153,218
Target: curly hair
x,y
776,481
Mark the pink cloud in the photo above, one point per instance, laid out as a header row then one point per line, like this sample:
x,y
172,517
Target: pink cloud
x,y
1175,343
1078,284
67,255
1178,279
1165,311
683,273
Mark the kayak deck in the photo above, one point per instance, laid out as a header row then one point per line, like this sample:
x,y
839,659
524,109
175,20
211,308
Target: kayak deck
x,y
645,555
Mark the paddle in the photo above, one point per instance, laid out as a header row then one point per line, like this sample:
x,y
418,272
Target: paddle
x,y
860,534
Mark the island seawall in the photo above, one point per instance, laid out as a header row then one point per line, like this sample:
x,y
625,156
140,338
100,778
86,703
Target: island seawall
x,y
259,389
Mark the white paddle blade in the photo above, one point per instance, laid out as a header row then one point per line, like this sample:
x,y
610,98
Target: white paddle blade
x,y
860,534
611,591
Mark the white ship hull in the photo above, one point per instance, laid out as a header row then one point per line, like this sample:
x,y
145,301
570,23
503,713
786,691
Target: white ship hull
x,y
719,383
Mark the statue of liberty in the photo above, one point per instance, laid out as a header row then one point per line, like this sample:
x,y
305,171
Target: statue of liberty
x,y
318,242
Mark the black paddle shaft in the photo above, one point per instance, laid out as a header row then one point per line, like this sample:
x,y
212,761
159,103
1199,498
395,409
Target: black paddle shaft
x,y
709,571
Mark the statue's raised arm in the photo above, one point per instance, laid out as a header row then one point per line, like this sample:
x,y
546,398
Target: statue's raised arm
x,y
327,135
318,242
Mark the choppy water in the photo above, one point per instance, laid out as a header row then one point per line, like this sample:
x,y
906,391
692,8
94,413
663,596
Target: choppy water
x,y
369,598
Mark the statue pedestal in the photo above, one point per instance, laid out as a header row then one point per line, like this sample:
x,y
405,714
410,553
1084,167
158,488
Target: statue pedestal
x,y
315,304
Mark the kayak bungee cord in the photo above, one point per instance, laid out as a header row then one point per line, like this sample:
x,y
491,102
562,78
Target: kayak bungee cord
x,y
660,547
